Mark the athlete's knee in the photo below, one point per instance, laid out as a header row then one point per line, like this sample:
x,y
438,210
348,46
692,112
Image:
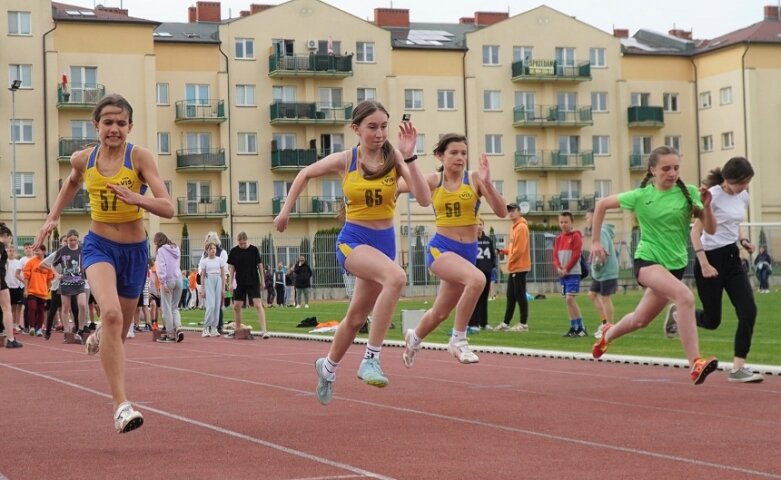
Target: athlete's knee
x,y
112,316
684,299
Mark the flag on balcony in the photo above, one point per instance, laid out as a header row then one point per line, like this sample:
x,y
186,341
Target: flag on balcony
x,y
330,46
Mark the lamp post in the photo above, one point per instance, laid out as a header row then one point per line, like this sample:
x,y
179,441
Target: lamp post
x,y
15,84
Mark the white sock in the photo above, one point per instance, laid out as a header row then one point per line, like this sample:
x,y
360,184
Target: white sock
x,y
457,336
329,369
372,352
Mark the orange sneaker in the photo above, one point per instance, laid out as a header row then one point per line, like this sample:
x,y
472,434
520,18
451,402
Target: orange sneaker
x,y
702,368
601,346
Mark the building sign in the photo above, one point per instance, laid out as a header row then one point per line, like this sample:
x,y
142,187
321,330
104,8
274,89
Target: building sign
x,y
542,67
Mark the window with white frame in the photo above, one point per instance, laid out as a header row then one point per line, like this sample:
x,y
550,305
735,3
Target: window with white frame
x,y
245,96
490,54
639,99
198,192
364,94
163,143
602,188
523,52
248,192
22,131
601,144
641,145
364,52
330,97
599,101
569,144
413,99
565,57
705,100
331,196
420,144
492,100
281,187
245,48
528,190
493,144
168,186
23,184
569,189
248,143
197,142
670,101
567,101
21,72
330,143
673,141
446,99
706,143
525,99
725,95
19,23
727,140
283,94
283,141
83,129
84,84
498,186
597,57
162,94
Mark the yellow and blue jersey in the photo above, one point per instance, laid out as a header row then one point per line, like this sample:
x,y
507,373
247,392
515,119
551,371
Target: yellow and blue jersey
x,y
458,208
368,199
104,205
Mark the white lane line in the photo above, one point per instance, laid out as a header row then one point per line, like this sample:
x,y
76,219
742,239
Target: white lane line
x,y
208,426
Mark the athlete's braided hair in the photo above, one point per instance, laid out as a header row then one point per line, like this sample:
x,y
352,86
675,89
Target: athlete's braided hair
x,y
653,159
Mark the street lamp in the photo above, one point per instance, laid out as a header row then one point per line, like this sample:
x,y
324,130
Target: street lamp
x,y
15,84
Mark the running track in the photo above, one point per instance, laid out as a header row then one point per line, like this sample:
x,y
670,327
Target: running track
x,y
226,409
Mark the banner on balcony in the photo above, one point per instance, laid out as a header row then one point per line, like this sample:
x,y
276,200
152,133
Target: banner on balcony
x,y
542,67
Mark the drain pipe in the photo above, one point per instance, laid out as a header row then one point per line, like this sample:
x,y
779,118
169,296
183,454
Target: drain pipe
x,y
45,121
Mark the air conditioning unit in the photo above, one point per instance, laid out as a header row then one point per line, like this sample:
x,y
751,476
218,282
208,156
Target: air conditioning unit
x,y
311,44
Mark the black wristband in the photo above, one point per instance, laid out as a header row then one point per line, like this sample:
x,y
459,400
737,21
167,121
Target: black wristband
x,y
411,159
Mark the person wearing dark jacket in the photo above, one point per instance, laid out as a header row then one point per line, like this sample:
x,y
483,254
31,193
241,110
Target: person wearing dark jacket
x,y
486,262
302,282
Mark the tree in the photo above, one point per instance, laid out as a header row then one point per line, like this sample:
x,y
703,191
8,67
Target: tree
x,y
184,259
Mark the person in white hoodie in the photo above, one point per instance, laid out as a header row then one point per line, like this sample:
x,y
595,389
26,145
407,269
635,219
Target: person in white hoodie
x,y
170,287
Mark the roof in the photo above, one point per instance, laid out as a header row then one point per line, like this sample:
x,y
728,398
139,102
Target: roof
x,y
431,36
176,32
648,42
766,31
63,12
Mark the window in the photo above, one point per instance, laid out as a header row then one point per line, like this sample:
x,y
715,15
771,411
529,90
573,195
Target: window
x,y
524,53
569,144
599,101
21,72
413,99
492,100
597,57
727,140
639,99
567,101
83,129
330,143
569,189
366,94
364,52
162,94
527,190
245,95
197,142
198,192
673,141
420,144
283,141
84,84
23,184
641,145
248,192
525,100
22,131
706,143
498,186
280,192
565,57
601,144
283,93
490,54
602,188
19,23
705,100
446,99
670,102
163,143
329,47
245,48
248,143
330,97
493,144
725,95
168,187
331,196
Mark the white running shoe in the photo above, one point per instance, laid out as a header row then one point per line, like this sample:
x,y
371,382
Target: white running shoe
x,y
131,333
408,357
126,419
502,327
213,332
462,352
92,345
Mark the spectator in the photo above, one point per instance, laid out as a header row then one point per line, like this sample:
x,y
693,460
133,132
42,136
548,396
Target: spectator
x,y
290,289
38,280
303,282
5,296
279,283
763,265
486,262
268,281
567,249
15,288
192,287
212,270
604,275
518,265
170,278
212,237
184,300
246,272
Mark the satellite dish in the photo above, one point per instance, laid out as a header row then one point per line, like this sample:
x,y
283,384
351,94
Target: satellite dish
x,y
525,207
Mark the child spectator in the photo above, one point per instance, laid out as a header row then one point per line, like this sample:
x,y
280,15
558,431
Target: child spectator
x,y
604,275
567,248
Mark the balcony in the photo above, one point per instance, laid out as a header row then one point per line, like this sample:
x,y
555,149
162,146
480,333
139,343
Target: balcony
x,y
555,204
79,95
203,207
552,116
310,207
201,159
311,113
645,117
637,162
552,160
550,71
314,65
200,111
79,204
293,159
68,146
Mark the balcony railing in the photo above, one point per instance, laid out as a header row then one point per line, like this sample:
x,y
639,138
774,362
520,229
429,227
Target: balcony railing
x,y
68,146
203,207
645,117
637,162
542,160
292,159
314,65
552,116
309,207
554,204
204,111
317,113
550,71
201,159
79,204
79,95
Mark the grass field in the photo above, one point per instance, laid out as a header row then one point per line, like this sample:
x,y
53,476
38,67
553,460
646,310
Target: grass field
x,y
547,323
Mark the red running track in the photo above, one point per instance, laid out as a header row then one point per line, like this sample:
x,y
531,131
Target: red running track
x,y
227,409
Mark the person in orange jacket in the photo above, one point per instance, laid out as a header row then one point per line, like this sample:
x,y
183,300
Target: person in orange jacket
x,y
518,265
38,279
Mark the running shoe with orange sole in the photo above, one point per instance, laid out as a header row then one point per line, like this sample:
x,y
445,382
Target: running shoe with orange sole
x,y
702,368
600,347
